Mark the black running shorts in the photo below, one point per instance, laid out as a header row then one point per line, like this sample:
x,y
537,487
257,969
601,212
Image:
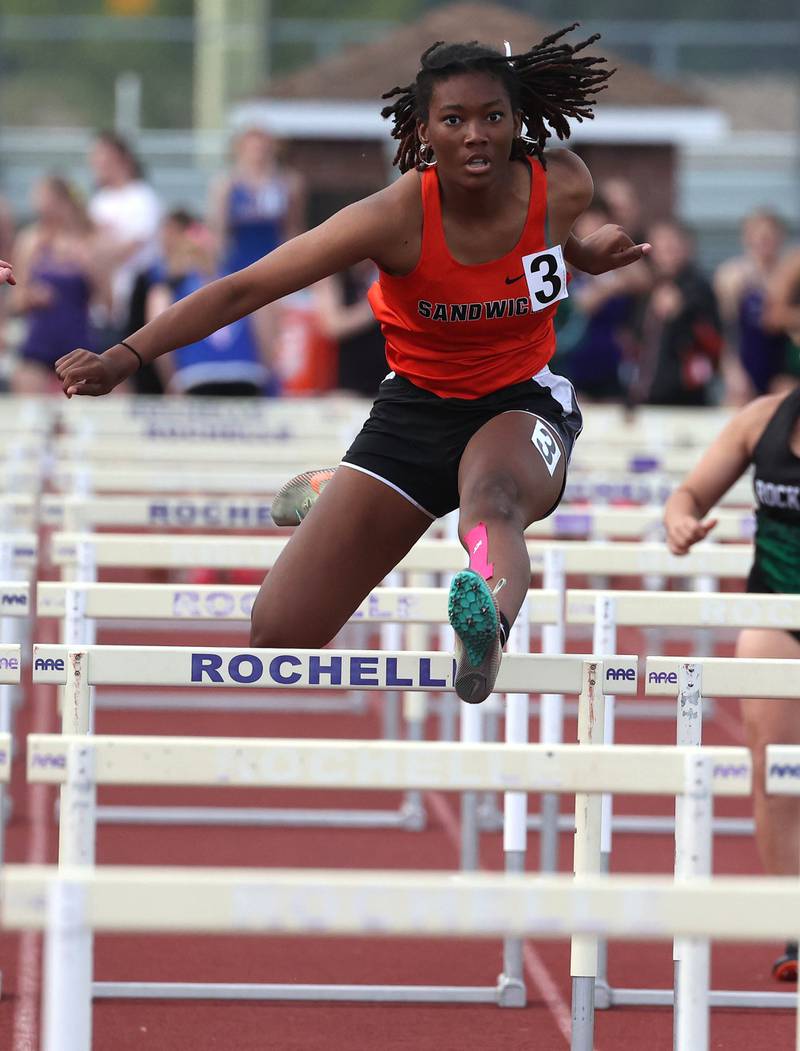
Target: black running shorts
x,y
414,440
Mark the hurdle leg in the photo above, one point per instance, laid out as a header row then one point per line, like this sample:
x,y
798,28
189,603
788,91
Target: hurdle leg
x,y
471,733
605,642
415,709
76,834
6,706
588,811
391,639
689,732
694,837
67,1000
511,984
704,637
551,713
490,817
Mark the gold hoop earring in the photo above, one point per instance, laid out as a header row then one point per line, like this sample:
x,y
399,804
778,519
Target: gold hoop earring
x,y
426,155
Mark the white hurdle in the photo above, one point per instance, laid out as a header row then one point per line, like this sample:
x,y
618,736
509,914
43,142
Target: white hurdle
x,y
689,682
552,559
79,763
189,605
80,669
613,609
68,904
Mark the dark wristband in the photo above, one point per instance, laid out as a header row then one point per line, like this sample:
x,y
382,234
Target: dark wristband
x,y
136,353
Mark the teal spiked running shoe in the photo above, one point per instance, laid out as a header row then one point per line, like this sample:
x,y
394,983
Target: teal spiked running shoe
x,y
295,499
472,609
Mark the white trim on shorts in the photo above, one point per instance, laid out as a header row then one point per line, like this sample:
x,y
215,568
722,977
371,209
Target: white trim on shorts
x,y
559,386
397,489
548,423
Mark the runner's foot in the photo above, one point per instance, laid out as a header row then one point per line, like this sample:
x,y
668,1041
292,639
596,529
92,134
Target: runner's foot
x,y
785,967
475,617
295,499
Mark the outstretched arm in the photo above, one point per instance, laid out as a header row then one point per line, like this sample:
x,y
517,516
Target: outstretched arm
x,y
725,460
608,248
357,232
569,193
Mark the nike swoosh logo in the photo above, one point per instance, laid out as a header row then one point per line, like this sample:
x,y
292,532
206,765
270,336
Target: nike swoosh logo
x,y
511,280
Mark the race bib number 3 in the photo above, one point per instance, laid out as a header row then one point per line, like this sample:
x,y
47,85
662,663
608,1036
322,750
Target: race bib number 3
x,y
546,275
547,445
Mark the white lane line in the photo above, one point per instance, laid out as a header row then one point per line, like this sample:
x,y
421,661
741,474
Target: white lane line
x,y
25,1033
535,967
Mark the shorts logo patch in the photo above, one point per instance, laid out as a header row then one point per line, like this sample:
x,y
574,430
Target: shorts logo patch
x,y
547,277
544,441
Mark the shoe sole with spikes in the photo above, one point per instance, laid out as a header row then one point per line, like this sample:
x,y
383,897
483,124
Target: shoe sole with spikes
x,y
295,499
473,613
785,967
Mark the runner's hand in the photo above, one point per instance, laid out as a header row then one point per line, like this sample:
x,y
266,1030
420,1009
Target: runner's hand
x,y
7,273
609,248
684,531
82,372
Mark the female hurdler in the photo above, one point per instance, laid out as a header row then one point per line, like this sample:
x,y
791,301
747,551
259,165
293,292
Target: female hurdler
x,y
471,243
764,435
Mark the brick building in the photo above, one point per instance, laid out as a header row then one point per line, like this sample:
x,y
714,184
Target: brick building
x,y
329,113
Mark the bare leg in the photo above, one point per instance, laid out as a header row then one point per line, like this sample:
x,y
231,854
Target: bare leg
x,y
511,474
356,533
772,722
505,483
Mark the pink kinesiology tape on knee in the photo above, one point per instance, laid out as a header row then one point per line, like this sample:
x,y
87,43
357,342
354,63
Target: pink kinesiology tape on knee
x,y
477,540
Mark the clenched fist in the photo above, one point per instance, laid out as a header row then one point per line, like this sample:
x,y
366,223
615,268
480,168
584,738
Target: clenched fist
x,y
82,372
684,531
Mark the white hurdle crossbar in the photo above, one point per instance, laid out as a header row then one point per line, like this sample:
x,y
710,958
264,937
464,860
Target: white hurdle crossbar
x,y
689,682
79,763
435,556
639,489
70,903
72,512
322,669
224,602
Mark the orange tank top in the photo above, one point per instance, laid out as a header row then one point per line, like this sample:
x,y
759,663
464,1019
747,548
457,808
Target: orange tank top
x,y
465,331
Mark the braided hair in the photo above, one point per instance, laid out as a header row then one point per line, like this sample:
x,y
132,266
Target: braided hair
x,y
547,85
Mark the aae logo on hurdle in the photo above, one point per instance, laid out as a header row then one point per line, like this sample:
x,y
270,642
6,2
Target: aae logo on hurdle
x,y
620,674
16,600
781,770
45,664
9,664
658,678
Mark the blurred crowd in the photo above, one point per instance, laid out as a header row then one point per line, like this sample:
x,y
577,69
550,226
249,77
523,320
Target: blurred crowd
x,y
91,271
